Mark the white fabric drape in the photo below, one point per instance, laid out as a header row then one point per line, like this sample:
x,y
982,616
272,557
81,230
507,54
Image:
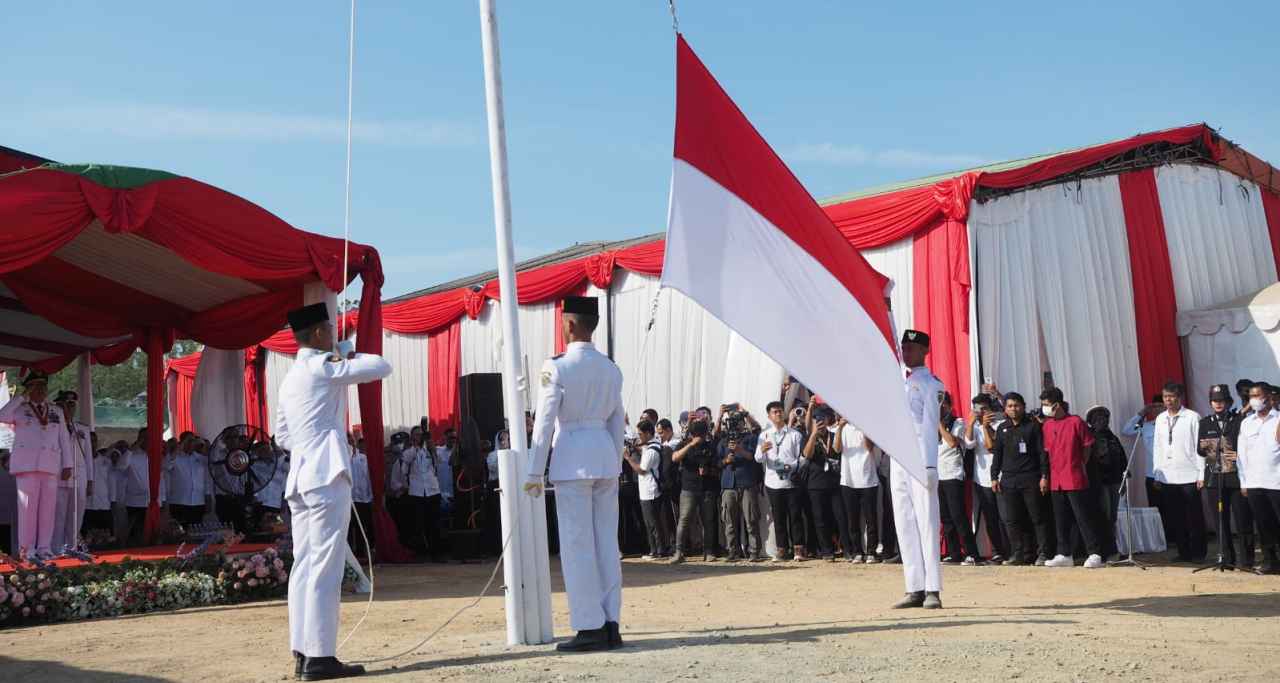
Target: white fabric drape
x,y
1219,246
217,398
275,368
171,403
1053,264
1239,339
404,393
894,261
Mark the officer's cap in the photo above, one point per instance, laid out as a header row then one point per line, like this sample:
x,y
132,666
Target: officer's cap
x,y
66,396
35,377
1220,392
915,337
582,305
305,318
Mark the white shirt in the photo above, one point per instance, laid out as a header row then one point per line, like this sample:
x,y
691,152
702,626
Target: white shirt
x,y
189,479
361,486
37,447
444,471
311,423
81,456
137,478
422,472
1177,443
951,458
782,459
103,484
579,415
650,461
272,495
1146,433
491,465
1259,452
981,456
857,464
924,397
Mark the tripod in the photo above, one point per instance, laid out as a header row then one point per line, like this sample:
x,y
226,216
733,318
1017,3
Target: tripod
x,y
1221,565
1128,513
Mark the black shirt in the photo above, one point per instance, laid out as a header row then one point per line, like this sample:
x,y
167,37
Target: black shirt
x,y
1109,459
698,471
1019,454
1218,433
824,466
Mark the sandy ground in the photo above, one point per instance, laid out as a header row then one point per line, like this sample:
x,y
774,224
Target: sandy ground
x,y
762,622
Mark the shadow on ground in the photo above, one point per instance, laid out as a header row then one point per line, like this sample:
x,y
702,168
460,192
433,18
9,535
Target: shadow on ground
x,y
20,671
1196,605
751,635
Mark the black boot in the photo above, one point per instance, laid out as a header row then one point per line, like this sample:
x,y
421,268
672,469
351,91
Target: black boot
x,y
328,668
912,599
615,634
590,640
298,659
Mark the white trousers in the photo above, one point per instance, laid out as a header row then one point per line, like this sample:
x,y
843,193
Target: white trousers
x,y
320,519
915,514
587,510
37,503
68,517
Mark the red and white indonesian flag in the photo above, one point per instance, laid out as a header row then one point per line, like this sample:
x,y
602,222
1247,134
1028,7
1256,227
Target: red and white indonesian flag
x,y
748,243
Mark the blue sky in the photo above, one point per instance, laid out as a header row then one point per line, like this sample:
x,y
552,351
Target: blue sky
x,y
251,96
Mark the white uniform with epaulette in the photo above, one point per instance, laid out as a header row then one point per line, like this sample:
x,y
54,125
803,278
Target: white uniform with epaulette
x,y
580,417
41,450
310,423
73,492
915,505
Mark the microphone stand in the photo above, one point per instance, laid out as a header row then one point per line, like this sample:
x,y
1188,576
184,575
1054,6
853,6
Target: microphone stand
x,y
1128,513
1221,565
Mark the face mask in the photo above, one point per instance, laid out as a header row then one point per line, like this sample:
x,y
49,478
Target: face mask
x,y
1257,404
1047,411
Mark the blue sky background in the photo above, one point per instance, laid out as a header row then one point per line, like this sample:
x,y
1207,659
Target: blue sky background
x,y
251,96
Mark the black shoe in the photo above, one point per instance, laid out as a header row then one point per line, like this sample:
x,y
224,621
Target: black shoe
x,y
298,659
328,668
910,600
591,640
1016,562
614,632
896,559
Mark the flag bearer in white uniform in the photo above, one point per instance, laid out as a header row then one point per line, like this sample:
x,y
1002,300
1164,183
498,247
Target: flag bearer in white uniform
x,y
41,455
915,505
581,405
73,492
310,423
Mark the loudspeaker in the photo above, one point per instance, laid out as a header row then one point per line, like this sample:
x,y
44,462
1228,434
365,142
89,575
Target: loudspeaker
x,y
480,399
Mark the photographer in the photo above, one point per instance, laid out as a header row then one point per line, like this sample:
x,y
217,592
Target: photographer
x,y
962,546
778,450
824,482
740,478
699,488
645,459
984,419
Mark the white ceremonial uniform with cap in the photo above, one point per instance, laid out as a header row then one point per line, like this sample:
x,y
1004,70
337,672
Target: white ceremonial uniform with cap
x,y
915,505
311,425
580,416
72,493
41,450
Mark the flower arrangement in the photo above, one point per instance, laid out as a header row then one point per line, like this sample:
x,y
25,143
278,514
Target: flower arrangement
x,y
255,577
31,593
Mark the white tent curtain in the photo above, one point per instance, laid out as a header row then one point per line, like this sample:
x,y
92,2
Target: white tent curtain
x,y
404,393
894,261
662,373
1219,246
1233,340
1053,265
217,397
275,368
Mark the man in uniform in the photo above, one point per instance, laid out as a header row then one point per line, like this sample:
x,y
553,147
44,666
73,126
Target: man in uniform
x,y
73,493
580,404
915,504
41,454
310,423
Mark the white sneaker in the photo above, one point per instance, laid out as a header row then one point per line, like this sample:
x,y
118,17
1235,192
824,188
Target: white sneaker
x,y
1094,562
1060,561
648,558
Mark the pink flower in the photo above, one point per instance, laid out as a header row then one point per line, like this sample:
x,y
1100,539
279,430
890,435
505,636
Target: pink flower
x,y
44,585
30,593
242,573
281,576
257,559
39,609
4,595
18,599
278,564
261,572
26,611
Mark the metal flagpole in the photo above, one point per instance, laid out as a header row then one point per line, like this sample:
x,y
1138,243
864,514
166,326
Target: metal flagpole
x,y
523,573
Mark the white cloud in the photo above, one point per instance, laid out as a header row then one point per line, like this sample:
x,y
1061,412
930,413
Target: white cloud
x,y
856,155
168,122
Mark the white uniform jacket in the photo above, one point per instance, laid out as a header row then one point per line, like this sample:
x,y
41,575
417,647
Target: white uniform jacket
x,y
580,415
36,447
82,456
924,394
310,423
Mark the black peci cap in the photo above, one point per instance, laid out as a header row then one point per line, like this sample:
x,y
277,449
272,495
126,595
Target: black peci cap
x,y
915,337
582,305
308,316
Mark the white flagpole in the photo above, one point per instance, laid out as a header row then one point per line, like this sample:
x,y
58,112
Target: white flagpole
x,y
526,624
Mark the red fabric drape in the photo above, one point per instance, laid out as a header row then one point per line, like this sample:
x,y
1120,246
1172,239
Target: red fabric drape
x,y
444,367
940,292
254,406
1271,208
182,420
158,344
1155,306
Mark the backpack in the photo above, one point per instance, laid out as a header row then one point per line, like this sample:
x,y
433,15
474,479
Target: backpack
x,y
668,473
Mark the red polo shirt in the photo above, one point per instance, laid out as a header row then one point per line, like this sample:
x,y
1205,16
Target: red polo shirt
x,y
1065,440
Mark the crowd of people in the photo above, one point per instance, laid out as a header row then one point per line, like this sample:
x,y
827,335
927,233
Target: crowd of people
x,y
1041,484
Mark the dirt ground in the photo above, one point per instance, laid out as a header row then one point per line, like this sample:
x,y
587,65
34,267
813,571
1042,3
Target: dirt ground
x,y
759,622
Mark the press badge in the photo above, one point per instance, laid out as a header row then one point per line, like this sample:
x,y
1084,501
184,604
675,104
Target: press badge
x,y
1022,446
